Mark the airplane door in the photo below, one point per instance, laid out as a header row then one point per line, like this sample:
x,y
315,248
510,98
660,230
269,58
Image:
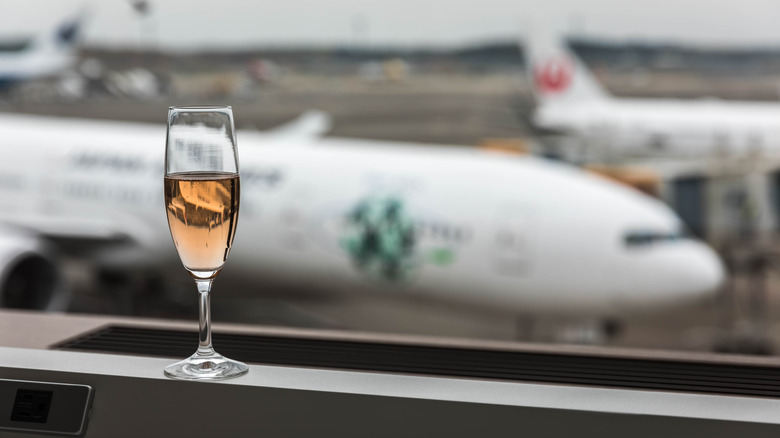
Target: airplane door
x,y
512,246
293,216
21,182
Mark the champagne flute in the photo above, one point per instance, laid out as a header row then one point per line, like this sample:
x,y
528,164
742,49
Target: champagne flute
x,y
202,189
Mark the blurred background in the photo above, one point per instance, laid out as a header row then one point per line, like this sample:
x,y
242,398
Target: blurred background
x,y
563,172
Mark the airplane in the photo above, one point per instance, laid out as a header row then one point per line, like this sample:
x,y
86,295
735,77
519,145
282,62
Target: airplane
x,y
452,224
571,101
43,55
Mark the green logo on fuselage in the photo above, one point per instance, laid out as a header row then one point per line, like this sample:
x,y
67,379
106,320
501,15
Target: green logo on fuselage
x,y
381,238
385,241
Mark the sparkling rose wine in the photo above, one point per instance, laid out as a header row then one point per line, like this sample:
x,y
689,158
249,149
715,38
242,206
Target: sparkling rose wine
x,y
202,215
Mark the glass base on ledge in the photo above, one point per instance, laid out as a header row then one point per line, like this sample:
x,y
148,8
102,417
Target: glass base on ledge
x,y
212,366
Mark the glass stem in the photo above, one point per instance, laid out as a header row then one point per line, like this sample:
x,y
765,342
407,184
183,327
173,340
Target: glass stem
x,y
204,307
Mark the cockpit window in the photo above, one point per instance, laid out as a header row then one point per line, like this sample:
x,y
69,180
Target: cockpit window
x,y
637,239
16,45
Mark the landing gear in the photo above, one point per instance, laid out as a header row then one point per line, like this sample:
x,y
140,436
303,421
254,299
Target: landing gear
x,y
591,332
524,328
612,328
132,292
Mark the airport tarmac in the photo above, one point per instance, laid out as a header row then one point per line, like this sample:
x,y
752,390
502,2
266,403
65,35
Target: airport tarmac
x,y
744,317
460,110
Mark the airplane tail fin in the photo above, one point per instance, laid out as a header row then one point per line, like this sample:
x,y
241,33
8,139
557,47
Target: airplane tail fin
x,y
556,74
65,35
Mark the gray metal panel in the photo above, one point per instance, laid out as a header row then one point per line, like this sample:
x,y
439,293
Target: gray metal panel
x,y
67,413
134,399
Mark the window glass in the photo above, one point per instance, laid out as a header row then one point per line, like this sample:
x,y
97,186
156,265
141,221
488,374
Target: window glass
x,y
497,170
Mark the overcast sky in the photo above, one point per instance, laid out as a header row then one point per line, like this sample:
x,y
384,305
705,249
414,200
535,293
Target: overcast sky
x,y
192,24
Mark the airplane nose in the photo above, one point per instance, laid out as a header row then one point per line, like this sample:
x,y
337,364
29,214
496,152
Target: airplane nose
x,y
677,273
704,273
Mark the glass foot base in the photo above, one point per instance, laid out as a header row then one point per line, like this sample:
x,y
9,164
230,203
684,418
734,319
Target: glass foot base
x,y
206,367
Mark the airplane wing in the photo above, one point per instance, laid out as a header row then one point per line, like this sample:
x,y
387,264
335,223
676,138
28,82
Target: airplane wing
x,y
310,124
73,236
68,228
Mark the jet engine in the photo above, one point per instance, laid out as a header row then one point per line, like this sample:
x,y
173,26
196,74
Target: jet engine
x,y
29,275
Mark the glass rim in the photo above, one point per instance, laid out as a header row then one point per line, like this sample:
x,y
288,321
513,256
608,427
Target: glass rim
x,y
200,107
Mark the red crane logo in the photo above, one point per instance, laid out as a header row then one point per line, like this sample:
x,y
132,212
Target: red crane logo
x,y
553,76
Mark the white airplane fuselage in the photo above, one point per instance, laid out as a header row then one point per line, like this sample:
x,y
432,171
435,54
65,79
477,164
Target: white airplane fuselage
x,y
26,66
658,126
519,234
47,54
570,100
